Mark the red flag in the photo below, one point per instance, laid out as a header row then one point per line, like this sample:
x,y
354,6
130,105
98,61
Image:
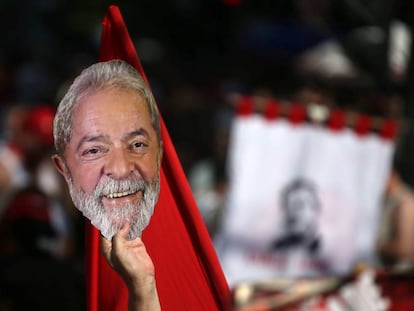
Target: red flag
x,y
188,273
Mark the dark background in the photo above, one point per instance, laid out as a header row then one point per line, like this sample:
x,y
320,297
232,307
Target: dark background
x,y
194,50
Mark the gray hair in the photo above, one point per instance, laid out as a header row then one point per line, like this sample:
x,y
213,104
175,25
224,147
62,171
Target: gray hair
x,y
114,74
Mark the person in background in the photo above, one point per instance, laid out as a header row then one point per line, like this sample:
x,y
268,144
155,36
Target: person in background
x,y
109,149
395,244
208,176
26,172
36,237
12,172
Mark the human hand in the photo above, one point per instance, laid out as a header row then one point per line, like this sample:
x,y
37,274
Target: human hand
x,y
133,263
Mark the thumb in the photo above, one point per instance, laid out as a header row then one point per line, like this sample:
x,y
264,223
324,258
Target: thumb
x,y
120,239
121,235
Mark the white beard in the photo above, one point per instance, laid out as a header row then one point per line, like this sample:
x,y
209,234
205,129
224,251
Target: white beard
x,y
110,220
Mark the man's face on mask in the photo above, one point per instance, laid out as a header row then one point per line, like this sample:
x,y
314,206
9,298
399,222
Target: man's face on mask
x,y
112,161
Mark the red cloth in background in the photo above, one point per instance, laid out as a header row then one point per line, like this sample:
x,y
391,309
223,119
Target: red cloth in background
x,y
188,273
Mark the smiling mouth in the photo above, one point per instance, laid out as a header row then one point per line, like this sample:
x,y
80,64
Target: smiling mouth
x,y
119,194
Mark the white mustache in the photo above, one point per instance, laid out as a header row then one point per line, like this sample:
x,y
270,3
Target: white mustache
x,y
115,188
108,221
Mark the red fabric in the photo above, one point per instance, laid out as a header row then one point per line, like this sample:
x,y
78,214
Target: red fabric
x,y
389,129
297,113
188,273
245,106
336,121
28,204
272,109
39,122
363,124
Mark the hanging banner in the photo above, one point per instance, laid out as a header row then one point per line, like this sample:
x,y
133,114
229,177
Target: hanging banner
x,y
304,198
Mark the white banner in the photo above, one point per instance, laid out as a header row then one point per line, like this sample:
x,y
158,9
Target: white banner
x,y
303,200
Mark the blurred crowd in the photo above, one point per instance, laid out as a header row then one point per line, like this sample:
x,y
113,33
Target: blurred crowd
x,y
195,54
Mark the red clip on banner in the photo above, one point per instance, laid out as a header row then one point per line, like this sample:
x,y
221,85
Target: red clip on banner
x,y
188,273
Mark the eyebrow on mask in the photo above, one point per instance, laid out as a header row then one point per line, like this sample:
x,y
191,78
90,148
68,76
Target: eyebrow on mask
x,y
139,132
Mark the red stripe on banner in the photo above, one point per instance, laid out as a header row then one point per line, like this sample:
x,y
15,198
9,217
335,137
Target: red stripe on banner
x,y
389,129
336,120
188,273
245,106
297,113
363,124
272,109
